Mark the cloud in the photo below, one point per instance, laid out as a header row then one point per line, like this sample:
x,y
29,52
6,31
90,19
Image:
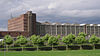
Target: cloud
x,y
81,13
3,29
52,10
52,5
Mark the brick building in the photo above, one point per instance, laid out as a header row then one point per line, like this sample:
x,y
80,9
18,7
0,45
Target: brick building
x,y
25,22
27,25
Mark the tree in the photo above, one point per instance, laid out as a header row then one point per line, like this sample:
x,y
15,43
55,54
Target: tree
x,y
39,42
33,39
69,39
58,36
82,34
8,40
21,40
45,38
94,39
36,40
52,41
1,43
80,40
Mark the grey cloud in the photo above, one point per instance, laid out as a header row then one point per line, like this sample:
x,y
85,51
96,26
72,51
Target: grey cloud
x,y
58,10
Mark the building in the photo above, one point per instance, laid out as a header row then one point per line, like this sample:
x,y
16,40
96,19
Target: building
x,y
27,24
65,29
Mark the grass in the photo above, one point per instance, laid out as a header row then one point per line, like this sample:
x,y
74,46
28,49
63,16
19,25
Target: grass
x,y
53,53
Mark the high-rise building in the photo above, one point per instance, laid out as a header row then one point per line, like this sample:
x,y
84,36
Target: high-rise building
x,y
25,22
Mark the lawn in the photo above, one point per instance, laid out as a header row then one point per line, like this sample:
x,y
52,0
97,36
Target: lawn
x,y
53,53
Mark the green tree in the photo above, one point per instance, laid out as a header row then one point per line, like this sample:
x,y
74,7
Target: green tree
x,y
52,41
45,38
33,39
36,40
39,42
69,39
94,39
21,40
82,34
58,36
80,40
1,43
8,40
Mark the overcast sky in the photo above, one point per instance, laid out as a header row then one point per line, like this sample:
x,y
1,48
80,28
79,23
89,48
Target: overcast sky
x,y
64,11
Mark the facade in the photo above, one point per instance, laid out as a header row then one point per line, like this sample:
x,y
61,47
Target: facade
x,y
27,25
26,22
65,29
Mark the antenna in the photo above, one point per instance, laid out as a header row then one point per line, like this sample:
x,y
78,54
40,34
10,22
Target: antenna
x,y
11,16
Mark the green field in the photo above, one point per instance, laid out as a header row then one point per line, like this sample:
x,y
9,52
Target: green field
x,y
53,53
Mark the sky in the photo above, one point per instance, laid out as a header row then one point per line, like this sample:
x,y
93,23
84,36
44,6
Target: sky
x,y
63,11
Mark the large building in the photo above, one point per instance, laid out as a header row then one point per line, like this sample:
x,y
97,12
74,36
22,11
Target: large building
x,y
26,23
65,29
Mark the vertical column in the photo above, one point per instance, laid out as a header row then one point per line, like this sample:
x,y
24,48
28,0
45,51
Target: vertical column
x,y
44,29
83,29
56,29
70,29
29,23
79,29
75,29
51,29
94,30
86,29
66,29
40,29
61,30
98,30
90,30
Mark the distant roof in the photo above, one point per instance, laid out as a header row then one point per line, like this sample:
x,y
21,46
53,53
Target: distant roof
x,y
57,23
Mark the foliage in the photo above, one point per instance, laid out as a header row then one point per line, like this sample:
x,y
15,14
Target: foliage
x,y
58,36
52,40
80,40
94,39
82,34
1,43
8,39
69,39
33,39
36,40
21,40
46,37
39,41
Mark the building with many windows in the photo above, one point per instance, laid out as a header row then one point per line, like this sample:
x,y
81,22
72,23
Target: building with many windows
x,y
26,24
65,29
